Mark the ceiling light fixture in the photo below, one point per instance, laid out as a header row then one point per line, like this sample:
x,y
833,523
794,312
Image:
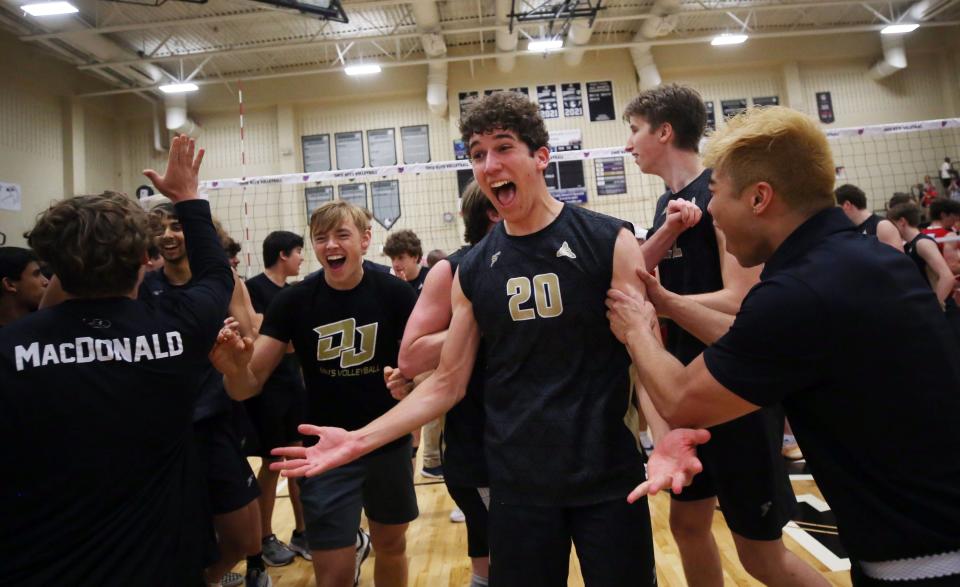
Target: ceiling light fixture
x,y
898,29
49,8
544,45
365,69
728,39
179,88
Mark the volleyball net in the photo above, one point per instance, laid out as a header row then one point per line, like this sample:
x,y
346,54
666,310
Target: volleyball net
x,y
424,197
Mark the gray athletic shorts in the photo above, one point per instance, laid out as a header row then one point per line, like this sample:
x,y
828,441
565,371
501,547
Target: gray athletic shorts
x,y
380,483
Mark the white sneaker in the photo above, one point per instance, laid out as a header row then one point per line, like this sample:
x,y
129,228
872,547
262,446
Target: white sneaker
x,y
456,516
363,551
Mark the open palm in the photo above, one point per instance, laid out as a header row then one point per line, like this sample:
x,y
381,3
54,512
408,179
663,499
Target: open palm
x,y
673,464
334,447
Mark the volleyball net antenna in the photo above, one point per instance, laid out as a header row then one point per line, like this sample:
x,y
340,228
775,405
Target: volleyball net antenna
x,y
424,197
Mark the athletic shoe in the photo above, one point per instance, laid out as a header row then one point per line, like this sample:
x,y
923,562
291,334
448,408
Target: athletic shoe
x,y
432,472
792,452
298,544
276,553
456,516
232,579
258,578
363,551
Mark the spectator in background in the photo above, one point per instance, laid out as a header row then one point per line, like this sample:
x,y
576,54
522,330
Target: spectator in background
x,y
946,172
232,248
405,252
22,284
928,191
944,215
434,257
922,249
953,190
854,204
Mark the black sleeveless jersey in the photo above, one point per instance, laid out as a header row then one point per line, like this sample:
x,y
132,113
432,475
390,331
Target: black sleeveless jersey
x,y
910,249
869,226
464,463
557,389
692,265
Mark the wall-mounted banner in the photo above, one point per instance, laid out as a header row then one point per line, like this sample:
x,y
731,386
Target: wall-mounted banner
x,y
766,101
600,101
416,143
355,193
611,176
382,146
524,91
317,195
566,140
460,151
466,100
572,99
386,201
488,92
733,107
316,153
825,107
349,150
547,101
711,116
565,181
11,197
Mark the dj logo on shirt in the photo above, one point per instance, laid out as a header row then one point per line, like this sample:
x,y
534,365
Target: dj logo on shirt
x,y
350,337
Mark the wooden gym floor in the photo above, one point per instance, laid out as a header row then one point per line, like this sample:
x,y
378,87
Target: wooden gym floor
x,y
436,547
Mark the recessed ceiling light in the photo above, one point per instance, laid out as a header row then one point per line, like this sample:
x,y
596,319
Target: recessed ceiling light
x,y
49,8
179,88
728,39
367,69
898,29
544,45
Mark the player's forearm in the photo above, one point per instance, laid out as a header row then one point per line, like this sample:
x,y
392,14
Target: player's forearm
x,y
421,355
707,324
660,373
725,300
428,401
654,248
242,385
658,426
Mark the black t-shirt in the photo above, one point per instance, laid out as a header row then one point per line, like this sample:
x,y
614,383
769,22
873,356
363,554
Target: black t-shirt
x,y
213,399
557,388
417,282
869,226
844,332
343,339
692,265
464,462
101,484
286,377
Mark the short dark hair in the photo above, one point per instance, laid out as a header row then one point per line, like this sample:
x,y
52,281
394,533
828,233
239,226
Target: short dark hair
x,y
14,261
900,198
681,106
94,244
403,241
474,209
851,193
435,256
941,206
910,212
279,241
507,111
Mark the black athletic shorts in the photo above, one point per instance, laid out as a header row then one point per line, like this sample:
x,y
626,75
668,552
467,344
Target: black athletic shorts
x,y
274,415
530,545
381,484
744,468
474,502
231,483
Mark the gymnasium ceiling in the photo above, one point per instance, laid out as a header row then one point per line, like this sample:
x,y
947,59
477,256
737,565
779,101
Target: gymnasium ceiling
x,y
230,40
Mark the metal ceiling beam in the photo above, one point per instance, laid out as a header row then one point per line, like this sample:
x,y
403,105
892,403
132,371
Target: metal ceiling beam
x,y
414,35
473,57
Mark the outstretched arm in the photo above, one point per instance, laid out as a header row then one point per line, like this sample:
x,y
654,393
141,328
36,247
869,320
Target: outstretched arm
x,y
440,392
737,281
705,323
245,364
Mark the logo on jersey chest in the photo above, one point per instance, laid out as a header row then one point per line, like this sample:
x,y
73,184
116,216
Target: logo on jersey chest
x,y
675,252
353,345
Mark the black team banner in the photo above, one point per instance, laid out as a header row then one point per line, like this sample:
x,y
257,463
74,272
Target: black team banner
x,y
572,99
600,101
711,116
825,107
547,101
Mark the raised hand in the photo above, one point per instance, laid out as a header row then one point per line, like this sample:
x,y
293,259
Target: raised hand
x,y
334,447
681,215
231,353
399,386
627,313
180,181
673,463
